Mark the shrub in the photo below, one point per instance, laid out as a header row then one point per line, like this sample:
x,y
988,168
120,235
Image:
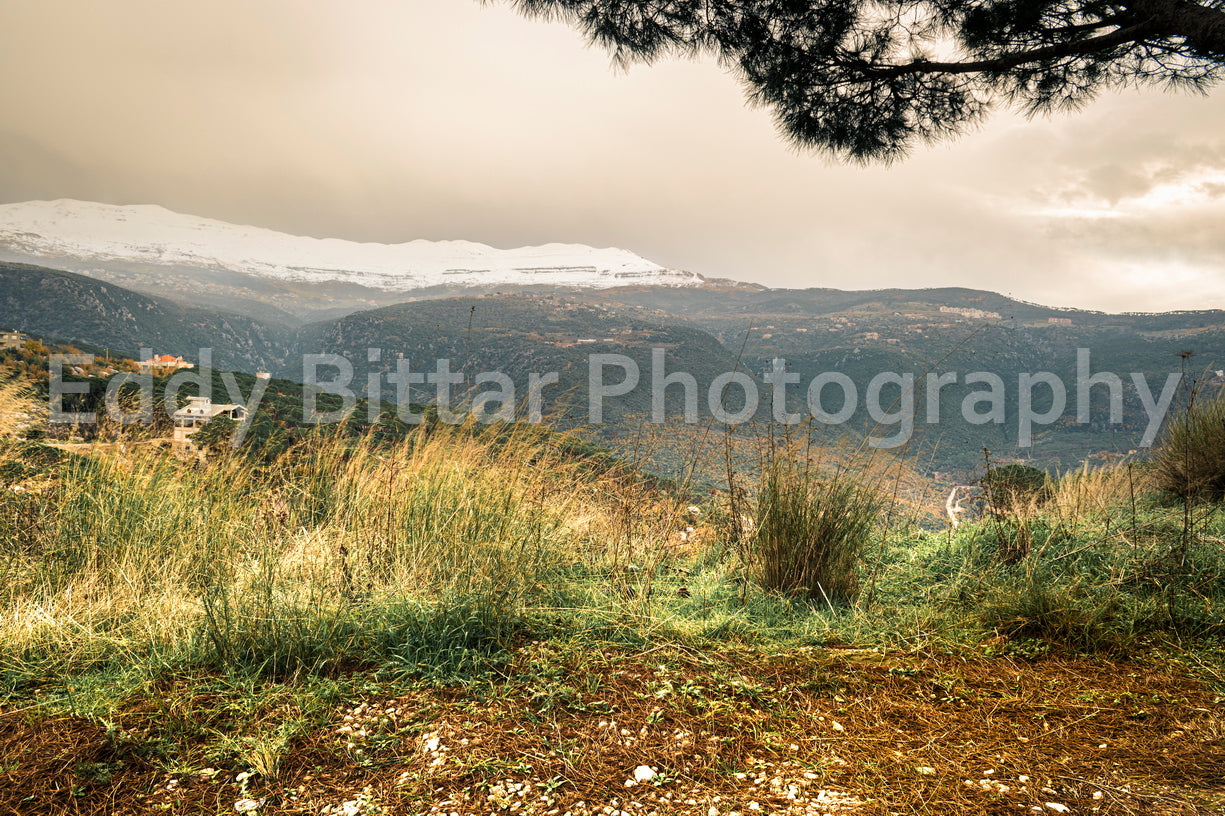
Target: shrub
x,y
1190,462
1014,494
810,532
1013,488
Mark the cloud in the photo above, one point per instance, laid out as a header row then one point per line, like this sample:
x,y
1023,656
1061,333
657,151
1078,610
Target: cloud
x,y
391,120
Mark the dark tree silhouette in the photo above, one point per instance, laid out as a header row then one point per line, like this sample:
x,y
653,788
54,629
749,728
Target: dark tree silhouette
x,y
866,80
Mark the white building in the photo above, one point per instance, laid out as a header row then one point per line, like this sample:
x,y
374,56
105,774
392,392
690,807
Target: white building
x,y
197,413
978,314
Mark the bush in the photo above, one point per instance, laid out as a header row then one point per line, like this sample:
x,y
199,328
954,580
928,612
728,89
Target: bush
x,y
1014,488
1190,462
810,532
1014,494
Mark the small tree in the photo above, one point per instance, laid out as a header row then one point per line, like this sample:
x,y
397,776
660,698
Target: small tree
x,y
1013,493
1012,488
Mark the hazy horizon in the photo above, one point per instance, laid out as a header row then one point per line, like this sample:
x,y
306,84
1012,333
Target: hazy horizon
x,y
397,120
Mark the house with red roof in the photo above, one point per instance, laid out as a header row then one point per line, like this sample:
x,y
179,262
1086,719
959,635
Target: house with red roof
x,y
162,364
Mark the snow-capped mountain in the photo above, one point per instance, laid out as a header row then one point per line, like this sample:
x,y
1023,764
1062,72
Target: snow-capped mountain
x,y
86,233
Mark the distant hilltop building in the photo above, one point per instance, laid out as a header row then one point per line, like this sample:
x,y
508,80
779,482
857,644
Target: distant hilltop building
x,y
12,339
977,314
1059,321
162,364
197,413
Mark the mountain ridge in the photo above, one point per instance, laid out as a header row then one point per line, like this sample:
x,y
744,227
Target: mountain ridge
x,y
277,277
152,234
75,308
705,333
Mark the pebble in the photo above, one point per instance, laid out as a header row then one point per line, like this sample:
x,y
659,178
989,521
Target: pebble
x,y
644,773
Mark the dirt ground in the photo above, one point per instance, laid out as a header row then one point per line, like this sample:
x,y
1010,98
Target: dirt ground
x,y
665,731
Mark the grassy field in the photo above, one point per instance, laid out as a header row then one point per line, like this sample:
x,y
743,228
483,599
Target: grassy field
x,y
488,620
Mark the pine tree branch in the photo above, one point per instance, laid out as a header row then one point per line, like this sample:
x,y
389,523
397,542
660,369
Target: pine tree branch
x,y
1122,36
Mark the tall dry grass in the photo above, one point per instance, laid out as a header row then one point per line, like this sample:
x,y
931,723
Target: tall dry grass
x,y
20,410
337,553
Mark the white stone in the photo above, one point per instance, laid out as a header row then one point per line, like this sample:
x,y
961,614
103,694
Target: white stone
x,y
644,773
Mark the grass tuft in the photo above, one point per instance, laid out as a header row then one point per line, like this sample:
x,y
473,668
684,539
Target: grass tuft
x,y
809,533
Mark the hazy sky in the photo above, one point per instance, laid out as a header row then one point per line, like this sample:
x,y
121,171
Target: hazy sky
x,y
389,120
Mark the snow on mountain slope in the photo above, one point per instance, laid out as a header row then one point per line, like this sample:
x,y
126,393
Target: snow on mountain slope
x,y
149,234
